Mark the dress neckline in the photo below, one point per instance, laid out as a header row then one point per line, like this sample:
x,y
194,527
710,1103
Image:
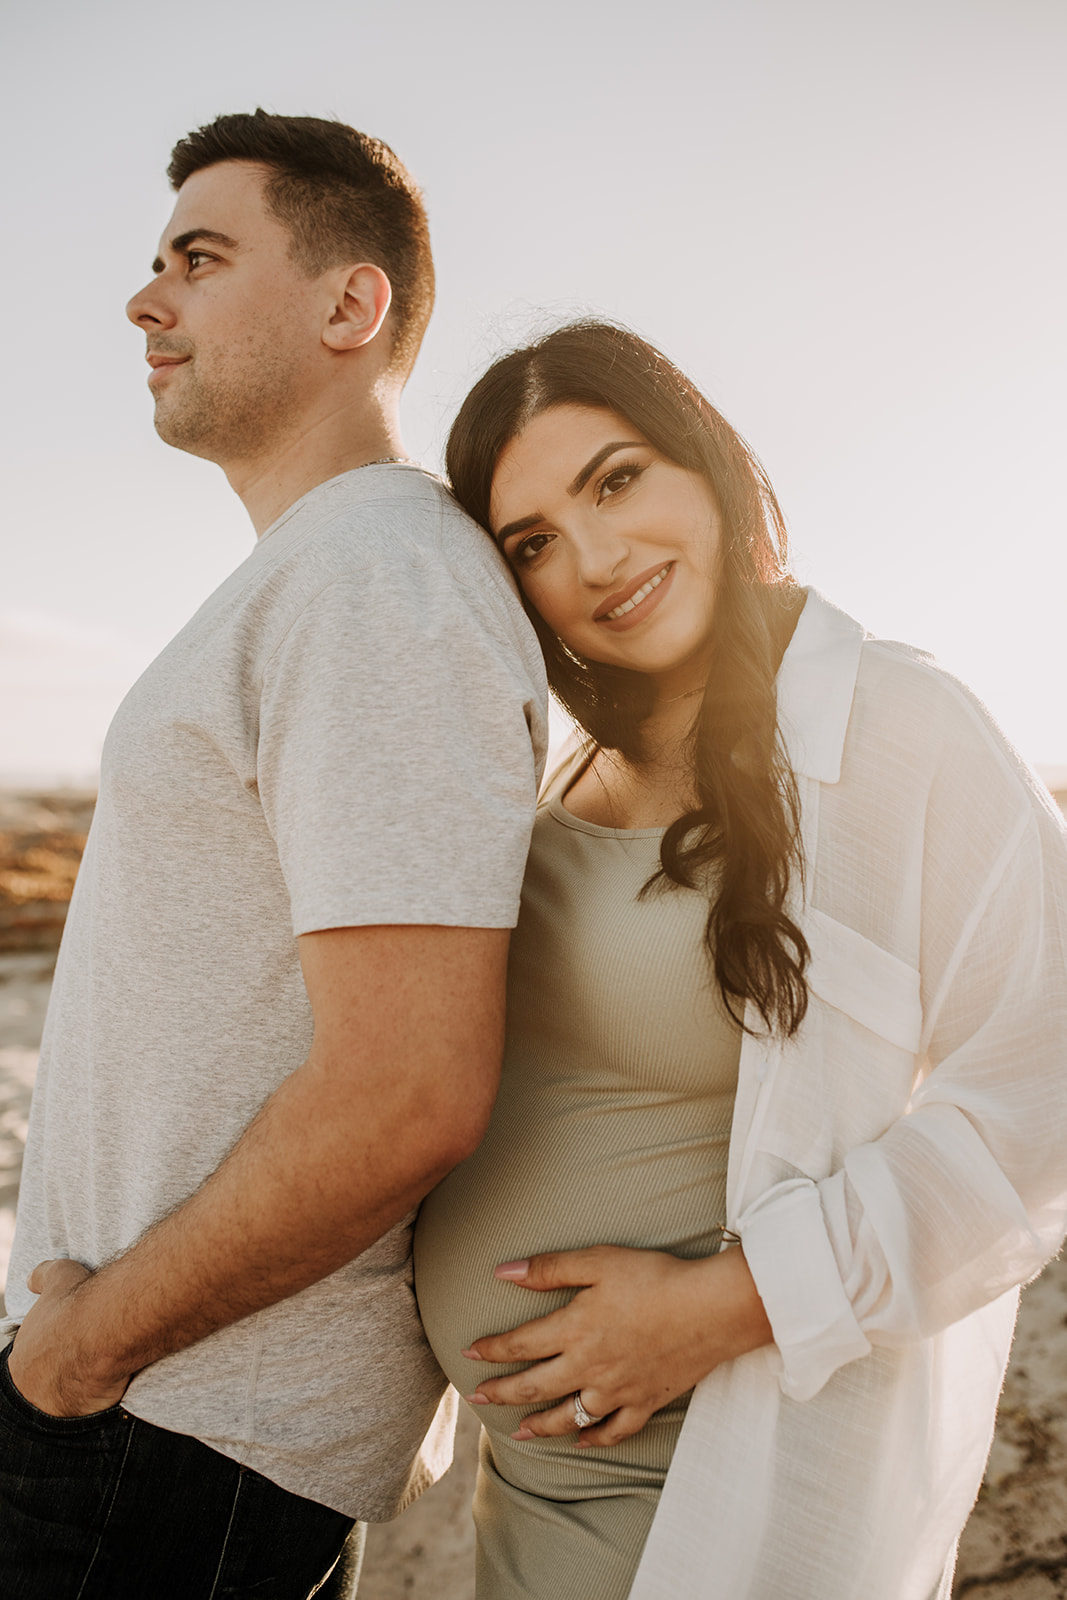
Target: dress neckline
x,y
562,780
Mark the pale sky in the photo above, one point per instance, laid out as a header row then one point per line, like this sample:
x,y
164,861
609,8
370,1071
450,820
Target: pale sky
x,y
845,219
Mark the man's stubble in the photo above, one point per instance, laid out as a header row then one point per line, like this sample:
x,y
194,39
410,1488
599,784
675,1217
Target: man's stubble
x,y
232,410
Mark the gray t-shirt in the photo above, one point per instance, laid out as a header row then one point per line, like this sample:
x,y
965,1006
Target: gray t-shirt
x,y
348,732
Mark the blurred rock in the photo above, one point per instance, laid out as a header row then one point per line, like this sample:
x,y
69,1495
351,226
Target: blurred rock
x,y
42,837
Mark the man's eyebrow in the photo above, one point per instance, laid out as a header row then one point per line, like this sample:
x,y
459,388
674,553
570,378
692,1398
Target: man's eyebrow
x,y
510,529
183,240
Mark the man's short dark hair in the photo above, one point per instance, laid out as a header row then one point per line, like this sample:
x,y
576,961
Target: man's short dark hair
x,y
343,197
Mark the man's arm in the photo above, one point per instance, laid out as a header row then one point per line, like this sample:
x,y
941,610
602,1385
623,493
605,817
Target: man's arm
x,y
397,1088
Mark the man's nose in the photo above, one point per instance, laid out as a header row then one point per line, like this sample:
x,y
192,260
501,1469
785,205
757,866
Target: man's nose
x,y
149,308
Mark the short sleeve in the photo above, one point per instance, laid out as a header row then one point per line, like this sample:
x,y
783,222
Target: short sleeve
x,y
395,762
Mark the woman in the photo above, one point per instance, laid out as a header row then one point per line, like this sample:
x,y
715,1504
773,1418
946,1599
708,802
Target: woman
x,y
783,1098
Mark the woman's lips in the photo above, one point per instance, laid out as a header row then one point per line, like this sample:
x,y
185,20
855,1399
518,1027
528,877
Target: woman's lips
x,y
637,601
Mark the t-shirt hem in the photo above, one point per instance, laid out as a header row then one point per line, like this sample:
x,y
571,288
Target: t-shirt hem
x,y
392,916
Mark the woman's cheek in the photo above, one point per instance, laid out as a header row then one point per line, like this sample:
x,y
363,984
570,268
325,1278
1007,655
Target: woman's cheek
x,y
546,601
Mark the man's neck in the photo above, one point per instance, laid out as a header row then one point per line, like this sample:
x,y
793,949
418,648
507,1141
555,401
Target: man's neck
x,y
270,483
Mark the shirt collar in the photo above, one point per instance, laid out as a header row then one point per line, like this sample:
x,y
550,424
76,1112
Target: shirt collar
x,y
816,683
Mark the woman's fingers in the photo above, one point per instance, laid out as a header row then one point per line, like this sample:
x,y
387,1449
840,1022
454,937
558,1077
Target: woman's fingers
x,y
556,1269
559,1420
537,1385
531,1341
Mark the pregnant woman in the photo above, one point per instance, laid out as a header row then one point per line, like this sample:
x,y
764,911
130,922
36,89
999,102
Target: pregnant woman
x,y
731,1280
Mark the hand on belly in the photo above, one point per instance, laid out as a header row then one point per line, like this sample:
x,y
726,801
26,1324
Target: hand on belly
x,y
643,1328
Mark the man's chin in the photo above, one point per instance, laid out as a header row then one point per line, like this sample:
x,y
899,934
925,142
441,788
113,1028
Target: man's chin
x,y
183,434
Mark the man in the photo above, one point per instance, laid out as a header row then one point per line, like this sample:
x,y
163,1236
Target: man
x,y
277,1016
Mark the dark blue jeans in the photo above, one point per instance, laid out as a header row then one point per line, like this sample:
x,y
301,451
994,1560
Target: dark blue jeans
x,y
112,1508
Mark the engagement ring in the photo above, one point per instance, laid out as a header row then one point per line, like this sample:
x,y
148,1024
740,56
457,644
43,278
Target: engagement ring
x,y
583,1418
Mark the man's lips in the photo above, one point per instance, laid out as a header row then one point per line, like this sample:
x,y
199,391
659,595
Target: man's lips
x,y
638,597
161,363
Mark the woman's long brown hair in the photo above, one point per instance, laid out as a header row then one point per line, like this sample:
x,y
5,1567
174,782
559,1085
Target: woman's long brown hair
x,y
741,842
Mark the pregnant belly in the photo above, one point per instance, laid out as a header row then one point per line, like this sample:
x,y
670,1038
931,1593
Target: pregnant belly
x,y
561,1176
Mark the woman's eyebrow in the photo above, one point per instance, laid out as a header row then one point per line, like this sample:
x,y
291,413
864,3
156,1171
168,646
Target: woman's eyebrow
x,y
520,526
602,455
574,488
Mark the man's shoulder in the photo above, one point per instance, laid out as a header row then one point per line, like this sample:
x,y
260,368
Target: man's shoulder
x,y
394,514
393,544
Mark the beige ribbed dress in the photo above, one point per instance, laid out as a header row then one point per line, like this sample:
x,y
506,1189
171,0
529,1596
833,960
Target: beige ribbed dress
x,y
611,1127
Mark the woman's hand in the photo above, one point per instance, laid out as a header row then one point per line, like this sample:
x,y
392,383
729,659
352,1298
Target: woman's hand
x,y
643,1328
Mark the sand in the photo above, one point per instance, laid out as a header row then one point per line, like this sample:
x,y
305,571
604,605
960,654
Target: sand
x,y
1015,1544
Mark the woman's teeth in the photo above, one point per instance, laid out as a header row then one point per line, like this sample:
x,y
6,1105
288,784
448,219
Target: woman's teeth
x,y
642,593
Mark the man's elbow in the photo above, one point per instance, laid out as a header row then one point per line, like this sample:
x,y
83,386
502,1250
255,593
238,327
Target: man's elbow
x,y
454,1117
468,1134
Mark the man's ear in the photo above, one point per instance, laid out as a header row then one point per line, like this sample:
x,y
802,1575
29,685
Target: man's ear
x,y
363,297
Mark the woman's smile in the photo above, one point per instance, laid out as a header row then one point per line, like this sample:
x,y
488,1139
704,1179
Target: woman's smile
x,y
632,609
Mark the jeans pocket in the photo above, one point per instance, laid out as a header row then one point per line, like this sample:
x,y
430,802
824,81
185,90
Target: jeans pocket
x,y
43,1421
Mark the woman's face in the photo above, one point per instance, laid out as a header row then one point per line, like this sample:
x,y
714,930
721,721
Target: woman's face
x,y
616,546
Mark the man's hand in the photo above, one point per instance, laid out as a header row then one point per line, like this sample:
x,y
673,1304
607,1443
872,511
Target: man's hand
x,y
44,1361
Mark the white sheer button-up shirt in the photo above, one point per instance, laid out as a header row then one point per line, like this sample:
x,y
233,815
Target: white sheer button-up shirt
x,y
899,1167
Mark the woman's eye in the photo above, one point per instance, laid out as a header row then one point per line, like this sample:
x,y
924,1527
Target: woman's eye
x,y
529,547
617,479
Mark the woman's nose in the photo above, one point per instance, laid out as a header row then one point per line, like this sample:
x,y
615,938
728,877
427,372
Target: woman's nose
x,y
600,554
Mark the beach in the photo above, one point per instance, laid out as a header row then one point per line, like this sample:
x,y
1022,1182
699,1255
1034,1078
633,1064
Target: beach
x,y
1015,1544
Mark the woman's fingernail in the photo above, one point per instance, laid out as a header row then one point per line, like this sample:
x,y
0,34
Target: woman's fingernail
x,y
476,1399
523,1433
471,1355
512,1269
